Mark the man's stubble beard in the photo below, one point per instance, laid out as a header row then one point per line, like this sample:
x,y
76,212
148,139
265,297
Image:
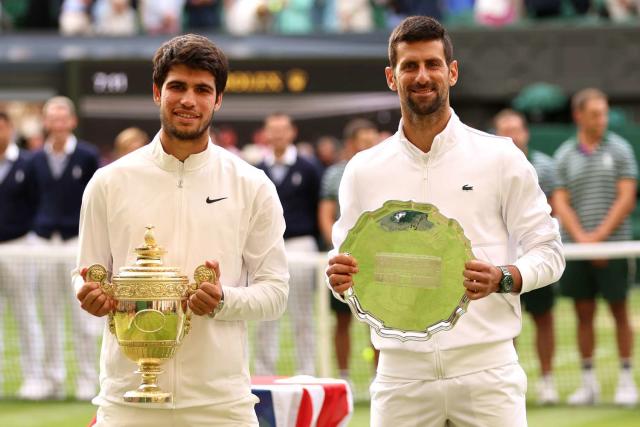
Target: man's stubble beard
x,y
184,136
426,109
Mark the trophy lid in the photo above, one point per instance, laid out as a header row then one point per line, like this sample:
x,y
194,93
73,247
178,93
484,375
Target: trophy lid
x,y
149,262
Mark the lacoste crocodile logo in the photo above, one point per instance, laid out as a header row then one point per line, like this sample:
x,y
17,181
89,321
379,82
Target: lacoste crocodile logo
x,y
467,187
209,201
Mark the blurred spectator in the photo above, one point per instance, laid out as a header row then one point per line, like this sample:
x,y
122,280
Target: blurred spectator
x,y
496,12
293,16
16,287
161,16
623,10
60,172
539,302
297,182
400,9
227,138
32,133
244,17
204,14
115,18
354,16
75,18
359,134
595,194
129,140
327,151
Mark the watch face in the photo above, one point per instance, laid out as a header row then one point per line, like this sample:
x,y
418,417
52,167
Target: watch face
x,y
506,284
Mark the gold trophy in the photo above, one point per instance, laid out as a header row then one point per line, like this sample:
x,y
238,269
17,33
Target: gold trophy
x,y
151,316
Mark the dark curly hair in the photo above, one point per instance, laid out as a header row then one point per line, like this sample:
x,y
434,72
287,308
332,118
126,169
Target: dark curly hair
x,y
194,51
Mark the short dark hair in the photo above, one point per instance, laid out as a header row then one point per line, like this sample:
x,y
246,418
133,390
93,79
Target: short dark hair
x,y
194,51
4,117
356,125
417,29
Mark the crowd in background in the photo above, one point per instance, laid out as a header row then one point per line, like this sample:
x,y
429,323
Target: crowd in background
x,y
242,17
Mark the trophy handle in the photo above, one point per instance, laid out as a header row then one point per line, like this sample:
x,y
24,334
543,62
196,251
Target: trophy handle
x,y
201,274
97,273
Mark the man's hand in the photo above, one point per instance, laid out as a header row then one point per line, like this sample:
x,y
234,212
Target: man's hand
x,y
93,299
480,278
339,272
208,296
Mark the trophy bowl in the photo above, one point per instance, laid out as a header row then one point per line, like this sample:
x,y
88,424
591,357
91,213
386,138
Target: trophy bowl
x,y
151,317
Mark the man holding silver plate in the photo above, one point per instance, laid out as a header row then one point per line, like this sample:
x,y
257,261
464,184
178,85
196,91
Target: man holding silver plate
x,y
206,206
426,250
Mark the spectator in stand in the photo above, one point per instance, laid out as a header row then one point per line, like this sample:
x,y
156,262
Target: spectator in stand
x,y
354,16
400,9
115,18
205,15
60,172
497,12
294,17
16,286
595,194
243,17
297,181
129,140
623,10
161,16
539,302
75,18
359,135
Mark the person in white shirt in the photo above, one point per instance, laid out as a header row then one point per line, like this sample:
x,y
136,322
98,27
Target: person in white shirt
x,y
469,375
205,204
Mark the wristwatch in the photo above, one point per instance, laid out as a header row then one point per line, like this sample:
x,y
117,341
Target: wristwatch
x,y
506,283
219,307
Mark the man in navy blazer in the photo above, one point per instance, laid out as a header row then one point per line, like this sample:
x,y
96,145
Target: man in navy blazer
x,y
16,284
60,171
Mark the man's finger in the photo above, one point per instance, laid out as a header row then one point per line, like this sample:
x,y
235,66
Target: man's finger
x,y
85,289
345,259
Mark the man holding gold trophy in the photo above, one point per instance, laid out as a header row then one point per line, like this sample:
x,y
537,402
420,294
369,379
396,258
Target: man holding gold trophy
x,y
477,198
206,206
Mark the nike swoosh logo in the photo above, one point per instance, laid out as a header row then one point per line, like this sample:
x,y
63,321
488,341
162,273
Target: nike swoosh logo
x,y
214,200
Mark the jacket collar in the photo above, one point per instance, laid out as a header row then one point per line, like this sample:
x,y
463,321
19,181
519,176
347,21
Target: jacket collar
x,y
288,159
170,163
69,145
441,143
12,152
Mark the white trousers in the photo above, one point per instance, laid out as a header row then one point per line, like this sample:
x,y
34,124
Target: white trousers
x,y
491,398
235,414
300,310
55,293
17,294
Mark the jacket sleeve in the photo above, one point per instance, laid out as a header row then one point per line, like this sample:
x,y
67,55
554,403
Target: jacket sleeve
x,y
527,216
265,297
350,211
93,240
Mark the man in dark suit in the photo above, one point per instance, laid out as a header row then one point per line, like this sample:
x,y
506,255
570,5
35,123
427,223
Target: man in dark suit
x,y
61,170
16,285
297,181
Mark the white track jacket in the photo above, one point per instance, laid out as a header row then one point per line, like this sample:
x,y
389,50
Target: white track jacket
x,y
242,228
500,207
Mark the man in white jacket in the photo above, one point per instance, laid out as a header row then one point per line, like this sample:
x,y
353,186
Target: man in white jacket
x,y
205,204
469,375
